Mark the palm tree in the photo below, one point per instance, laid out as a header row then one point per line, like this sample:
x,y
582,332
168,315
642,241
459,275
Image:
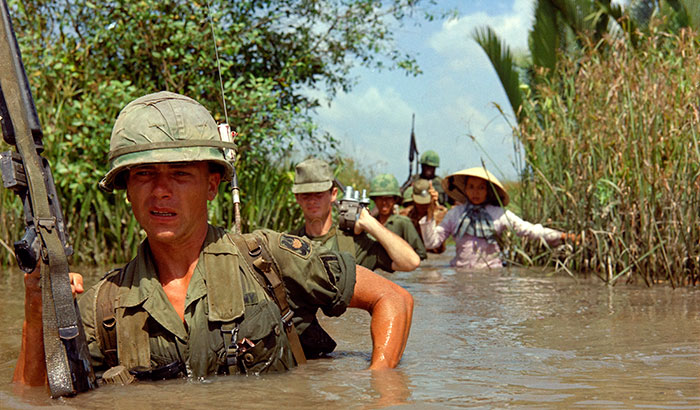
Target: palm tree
x,y
563,26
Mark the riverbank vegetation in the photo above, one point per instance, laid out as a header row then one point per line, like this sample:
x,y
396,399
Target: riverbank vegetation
x,y
86,60
607,123
611,149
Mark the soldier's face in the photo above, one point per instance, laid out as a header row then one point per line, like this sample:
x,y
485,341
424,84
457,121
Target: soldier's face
x,y
317,205
170,200
427,171
385,204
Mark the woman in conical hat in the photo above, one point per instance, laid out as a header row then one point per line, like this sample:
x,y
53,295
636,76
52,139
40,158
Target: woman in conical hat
x,y
478,219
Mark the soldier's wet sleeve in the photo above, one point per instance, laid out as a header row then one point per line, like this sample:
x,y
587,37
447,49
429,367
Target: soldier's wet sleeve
x,y
413,238
315,277
86,304
371,254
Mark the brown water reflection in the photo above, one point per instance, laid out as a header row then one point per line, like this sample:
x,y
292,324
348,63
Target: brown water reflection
x,y
514,338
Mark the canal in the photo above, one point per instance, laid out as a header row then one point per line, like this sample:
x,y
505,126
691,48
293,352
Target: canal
x,y
492,339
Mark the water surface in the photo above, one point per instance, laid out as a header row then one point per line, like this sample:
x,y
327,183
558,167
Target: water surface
x,y
515,338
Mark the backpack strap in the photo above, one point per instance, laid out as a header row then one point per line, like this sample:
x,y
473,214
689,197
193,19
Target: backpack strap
x,y
259,260
346,243
105,320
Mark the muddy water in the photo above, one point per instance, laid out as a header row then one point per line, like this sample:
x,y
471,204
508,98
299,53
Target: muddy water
x,y
516,338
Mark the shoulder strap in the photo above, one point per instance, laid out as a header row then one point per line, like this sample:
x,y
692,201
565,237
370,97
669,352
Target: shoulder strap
x,y
259,260
346,243
105,321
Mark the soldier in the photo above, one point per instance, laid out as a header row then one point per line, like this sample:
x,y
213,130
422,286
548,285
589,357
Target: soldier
x,y
195,299
418,208
429,162
315,192
384,191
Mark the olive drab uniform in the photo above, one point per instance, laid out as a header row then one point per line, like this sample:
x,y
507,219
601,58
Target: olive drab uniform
x,y
226,307
403,227
368,252
386,185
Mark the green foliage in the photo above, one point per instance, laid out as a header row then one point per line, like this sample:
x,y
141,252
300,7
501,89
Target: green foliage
x,y
612,151
86,60
348,173
562,28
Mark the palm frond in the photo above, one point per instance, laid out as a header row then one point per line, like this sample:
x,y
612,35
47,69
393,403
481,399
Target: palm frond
x,y
501,59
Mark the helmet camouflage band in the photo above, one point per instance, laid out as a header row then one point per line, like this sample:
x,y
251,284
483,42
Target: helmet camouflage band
x,y
159,128
430,158
385,185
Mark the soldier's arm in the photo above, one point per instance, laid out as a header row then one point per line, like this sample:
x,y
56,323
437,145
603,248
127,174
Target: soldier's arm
x,y
391,308
403,257
31,363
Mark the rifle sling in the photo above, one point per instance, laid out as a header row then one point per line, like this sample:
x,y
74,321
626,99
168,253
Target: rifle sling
x,y
267,270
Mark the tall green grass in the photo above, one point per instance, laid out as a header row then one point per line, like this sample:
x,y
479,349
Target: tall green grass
x,y
611,151
102,229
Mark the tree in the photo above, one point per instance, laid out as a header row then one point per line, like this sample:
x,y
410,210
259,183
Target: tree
x,y
564,27
86,60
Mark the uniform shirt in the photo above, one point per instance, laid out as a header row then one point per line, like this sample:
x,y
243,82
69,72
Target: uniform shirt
x,y
477,253
402,226
368,252
223,291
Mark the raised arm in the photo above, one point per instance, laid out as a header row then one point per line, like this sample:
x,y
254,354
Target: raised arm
x,y
31,363
391,308
402,255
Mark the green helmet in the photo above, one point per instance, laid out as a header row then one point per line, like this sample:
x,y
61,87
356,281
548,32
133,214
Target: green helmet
x,y
385,185
408,196
163,127
431,158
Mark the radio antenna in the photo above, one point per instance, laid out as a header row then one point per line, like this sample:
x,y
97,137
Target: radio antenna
x,y
227,136
218,61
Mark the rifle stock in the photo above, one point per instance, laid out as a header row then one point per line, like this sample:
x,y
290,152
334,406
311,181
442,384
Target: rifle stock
x,y
28,174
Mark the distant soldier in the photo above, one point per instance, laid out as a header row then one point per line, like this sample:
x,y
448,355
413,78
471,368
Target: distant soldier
x,y
429,162
372,244
418,208
384,191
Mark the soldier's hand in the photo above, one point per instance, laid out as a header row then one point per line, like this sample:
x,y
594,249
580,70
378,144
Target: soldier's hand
x,y
362,221
433,206
32,282
76,283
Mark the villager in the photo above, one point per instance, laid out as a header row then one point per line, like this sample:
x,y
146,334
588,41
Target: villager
x,y
481,217
315,192
197,300
384,191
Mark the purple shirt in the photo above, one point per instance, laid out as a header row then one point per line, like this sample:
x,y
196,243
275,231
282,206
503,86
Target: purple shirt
x,y
477,253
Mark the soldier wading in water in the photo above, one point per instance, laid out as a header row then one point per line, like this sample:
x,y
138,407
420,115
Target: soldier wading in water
x,y
194,301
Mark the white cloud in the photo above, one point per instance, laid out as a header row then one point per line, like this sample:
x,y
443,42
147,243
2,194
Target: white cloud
x,y
453,101
455,41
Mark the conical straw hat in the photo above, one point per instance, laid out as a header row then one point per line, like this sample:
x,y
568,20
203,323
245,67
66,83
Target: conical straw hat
x,y
455,183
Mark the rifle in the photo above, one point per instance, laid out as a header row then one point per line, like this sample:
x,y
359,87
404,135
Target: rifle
x,y
28,174
412,155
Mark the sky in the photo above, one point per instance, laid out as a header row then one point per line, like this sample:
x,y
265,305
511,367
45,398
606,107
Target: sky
x,y
453,100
